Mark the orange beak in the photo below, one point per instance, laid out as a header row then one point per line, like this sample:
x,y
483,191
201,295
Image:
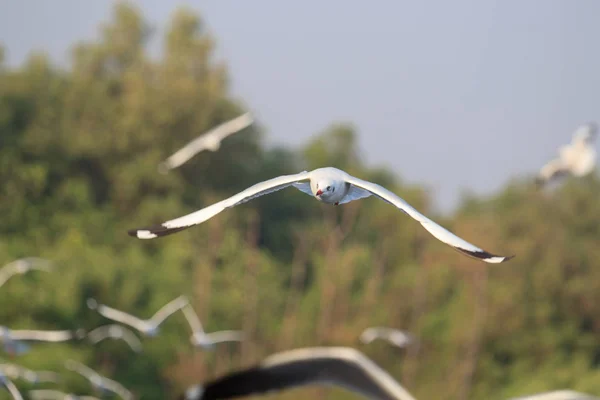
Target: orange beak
x,y
319,192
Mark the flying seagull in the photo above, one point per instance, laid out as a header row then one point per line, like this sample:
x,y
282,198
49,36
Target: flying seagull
x,y
205,340
210,140
12,340
577,159
15,372
116,331
148,327
22,266
558,395
338,366
12,389
98,381
394,336
46,394
329,185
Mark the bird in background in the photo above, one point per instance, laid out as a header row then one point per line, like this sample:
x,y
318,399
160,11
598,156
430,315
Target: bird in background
x,y
10,386
343,367
331,186
577,158
210,140
46,394
12,340
205,340
16,372
117,332
22,266
394,336
148,327
99,382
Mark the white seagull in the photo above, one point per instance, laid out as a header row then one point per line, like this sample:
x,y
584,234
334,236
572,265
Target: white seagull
x,y
337,366
46,394
12,340
99,382
210,140
22,266
205,340
329,185
577,159
394,336
558,395
148,327
15,372
116,331
12,389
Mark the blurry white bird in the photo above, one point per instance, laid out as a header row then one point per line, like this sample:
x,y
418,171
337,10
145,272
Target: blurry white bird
x,y
343,367
558,395
205,340
115,331
46,394
99,382
15,372
210,140
12,389
329,185
22,266
394,336
11,340
148,327
577,159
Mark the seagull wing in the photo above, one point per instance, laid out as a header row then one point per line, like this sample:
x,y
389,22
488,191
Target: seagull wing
x,y
368,335
339,366
232,126
44,394
202,215
122,317
132,340
7,272
552,169
192,319
82,370
42,336
99,333
225,336
39,264
12,389
436,230
169,309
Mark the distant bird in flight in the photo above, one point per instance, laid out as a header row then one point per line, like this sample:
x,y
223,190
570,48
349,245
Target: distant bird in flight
x,y
8,385
208,141
205,340
15,372
577,159
99,382
394,336
22,266
12,340
116,331
148,327
329,185
47,394
343,367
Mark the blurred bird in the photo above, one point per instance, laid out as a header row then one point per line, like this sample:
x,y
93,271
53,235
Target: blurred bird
x,y
148,327
15,372
337,366
99,382
329,185
12,389
394,336
12,340
205,340
115,331
208,141
45,394
577,159
22,266
558,395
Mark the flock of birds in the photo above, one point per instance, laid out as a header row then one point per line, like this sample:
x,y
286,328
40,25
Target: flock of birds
x,y
340,366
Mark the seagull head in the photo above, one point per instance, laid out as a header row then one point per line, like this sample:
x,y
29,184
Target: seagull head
x,y
325,189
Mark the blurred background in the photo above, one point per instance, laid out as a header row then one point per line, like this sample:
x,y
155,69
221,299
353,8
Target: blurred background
x,y
453,106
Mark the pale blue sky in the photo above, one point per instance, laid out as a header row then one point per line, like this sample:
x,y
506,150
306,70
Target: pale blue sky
x,y
454,95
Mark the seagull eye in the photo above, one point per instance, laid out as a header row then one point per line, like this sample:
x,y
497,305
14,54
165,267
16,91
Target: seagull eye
x,y
328,188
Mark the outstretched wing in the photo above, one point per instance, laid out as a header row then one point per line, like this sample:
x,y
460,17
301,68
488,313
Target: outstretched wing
x,y
553,169
195,218
192,319
42,336
436,230
169,308
121,316
225,336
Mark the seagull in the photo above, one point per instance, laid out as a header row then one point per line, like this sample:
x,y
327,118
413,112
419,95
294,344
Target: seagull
x,y
148,327
14,371
329,185
394,336
205,340
116,331
22,266
12,389
344,367
210,140
45,394
12,339
577,159
558,395
99,382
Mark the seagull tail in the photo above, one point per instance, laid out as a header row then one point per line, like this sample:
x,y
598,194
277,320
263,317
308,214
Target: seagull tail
x,y
154,231
485,256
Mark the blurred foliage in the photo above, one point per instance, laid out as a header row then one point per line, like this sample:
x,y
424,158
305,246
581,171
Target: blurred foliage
x,y
79,150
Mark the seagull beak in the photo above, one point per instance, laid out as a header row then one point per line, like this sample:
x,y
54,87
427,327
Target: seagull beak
x,y
319,192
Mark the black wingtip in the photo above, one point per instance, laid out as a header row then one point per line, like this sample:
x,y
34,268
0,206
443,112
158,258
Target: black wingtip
x,y
485,256
154,231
